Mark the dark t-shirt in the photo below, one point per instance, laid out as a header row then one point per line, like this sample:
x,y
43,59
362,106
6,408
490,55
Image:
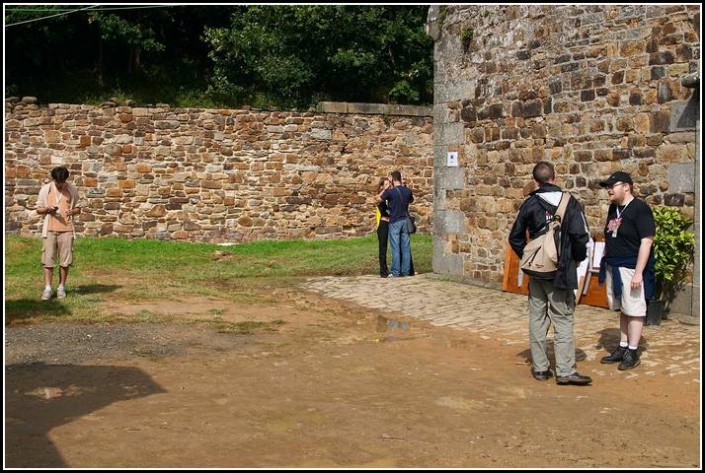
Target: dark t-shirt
x,y
398,199
632,223
383,210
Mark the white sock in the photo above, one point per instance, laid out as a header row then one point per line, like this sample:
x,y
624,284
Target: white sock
x,y
633,348
60,288
623,344
47,287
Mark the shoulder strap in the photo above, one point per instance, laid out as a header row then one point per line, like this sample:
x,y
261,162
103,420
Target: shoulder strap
x,y
560,211
565,198
402,199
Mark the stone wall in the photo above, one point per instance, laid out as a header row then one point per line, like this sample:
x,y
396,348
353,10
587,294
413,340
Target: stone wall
x,y
216,175
592,89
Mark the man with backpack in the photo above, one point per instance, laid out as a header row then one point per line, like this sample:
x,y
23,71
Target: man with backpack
x,y
551,295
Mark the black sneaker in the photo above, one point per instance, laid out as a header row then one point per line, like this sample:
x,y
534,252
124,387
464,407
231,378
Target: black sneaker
x,y
630,360
615,357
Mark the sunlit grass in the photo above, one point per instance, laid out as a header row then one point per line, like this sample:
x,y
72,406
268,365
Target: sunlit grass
x,y
120,271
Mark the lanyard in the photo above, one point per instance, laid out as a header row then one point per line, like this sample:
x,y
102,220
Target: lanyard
x,y
619,214
618,221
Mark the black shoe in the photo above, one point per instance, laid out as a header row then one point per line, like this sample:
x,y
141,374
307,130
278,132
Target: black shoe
x,y
541,375
616,356
574,378
630,360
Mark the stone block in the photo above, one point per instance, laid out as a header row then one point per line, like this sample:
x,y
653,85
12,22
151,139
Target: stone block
x,y
451,178
443,262
684,115
681,177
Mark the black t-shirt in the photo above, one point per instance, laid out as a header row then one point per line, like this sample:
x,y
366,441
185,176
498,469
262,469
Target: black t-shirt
x,y
383,210
626,226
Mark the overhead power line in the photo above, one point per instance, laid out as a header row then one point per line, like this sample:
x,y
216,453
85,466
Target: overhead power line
x,y
68,11
51,16
97,8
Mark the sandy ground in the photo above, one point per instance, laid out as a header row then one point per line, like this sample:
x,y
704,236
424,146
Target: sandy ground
x,y
324,383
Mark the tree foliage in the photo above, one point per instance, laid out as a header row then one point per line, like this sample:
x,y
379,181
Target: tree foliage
x,y
146,54
303,53
259,55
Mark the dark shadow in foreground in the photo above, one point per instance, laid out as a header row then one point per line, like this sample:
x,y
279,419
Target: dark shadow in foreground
x,y
40,397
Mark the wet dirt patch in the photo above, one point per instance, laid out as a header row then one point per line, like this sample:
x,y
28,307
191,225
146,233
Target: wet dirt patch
x,y
322,390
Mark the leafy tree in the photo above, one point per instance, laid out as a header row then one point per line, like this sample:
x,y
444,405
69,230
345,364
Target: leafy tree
x,y
264,55
32,45
296,55
87,54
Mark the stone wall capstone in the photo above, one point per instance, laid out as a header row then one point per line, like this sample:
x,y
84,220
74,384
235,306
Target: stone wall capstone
x,y
215,175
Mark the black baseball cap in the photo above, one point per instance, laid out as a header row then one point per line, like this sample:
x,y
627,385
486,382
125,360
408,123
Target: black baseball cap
x,y
618,176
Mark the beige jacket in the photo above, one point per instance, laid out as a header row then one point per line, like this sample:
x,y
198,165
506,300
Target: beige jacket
x,y
42,202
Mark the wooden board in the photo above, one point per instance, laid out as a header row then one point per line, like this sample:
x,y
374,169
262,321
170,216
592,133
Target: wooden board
x,y
596,294
514,280
583,272
590,292
593,293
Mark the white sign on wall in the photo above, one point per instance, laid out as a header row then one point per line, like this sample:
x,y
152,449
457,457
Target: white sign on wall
x,y
453,158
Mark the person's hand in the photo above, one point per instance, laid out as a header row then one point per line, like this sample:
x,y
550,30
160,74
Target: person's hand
x,y
637,280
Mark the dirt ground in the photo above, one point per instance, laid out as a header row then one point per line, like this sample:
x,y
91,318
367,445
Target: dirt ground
x,y
323,383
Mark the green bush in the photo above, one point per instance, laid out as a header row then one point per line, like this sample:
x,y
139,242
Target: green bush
x,y
674,246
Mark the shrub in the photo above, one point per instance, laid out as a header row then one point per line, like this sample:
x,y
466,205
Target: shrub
x,y
674,246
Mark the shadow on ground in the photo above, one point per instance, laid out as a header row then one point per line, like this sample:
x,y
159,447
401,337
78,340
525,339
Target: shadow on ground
x,y
23,310
40,397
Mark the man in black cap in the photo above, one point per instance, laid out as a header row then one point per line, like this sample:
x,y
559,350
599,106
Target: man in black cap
x,y
627,265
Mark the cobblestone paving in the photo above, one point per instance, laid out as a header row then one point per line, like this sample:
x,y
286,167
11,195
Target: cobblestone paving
x,y
672,348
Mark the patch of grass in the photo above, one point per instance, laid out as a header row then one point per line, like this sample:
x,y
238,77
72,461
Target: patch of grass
x,y
27,311
117,269
238,328
145,316
466,37
148,354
